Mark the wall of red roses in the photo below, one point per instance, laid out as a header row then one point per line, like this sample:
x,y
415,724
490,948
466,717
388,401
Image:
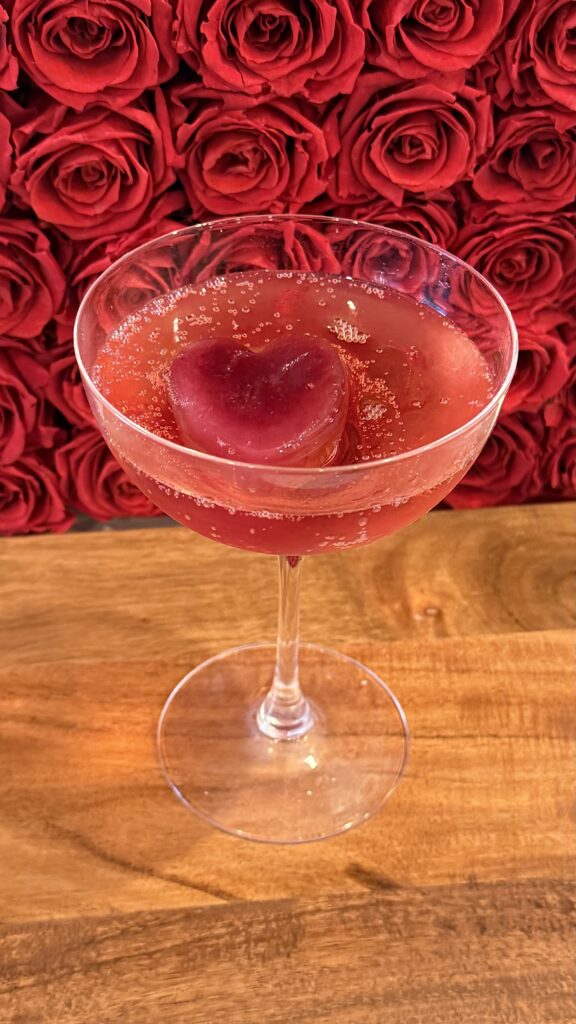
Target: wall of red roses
x,y
123,119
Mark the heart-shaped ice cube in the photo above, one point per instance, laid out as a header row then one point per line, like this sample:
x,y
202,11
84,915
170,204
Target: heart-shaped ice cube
x,y
284,404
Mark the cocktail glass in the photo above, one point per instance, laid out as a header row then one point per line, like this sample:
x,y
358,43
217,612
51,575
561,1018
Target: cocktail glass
x,y
292,742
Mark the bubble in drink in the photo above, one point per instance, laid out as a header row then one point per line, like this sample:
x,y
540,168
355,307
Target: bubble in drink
x,y
328,392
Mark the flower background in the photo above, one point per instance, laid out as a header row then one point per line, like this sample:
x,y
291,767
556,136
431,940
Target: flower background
x,y
454,120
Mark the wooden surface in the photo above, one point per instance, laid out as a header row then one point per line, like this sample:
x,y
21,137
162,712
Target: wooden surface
x,y
457,903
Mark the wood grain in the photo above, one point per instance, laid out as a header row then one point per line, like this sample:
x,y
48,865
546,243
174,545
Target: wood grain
x,y
454,904
154,593
87,823
398,957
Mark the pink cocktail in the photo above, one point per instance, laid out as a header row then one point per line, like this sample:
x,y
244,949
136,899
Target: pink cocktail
x,y
291,386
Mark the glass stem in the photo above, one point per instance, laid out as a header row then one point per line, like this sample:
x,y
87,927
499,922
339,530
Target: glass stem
x,y
284,713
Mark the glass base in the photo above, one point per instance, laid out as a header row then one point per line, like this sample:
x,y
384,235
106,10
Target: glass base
x,y
223,768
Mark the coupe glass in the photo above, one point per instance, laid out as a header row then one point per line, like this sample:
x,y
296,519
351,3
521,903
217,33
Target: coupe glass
x,y
290,743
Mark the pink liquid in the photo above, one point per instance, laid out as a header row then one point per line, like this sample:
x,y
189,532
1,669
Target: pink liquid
x,y
413,377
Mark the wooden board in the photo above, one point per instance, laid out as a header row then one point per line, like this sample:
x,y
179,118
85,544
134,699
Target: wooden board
x,y
88,824
482,954
157,593
454,904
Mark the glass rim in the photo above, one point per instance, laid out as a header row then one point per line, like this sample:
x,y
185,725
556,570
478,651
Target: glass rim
x,y
304,471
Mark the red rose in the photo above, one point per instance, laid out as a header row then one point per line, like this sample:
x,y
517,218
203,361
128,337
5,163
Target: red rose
x,y
24,422
90,173
84,263
400,136
559,465
538,59
532,164
141,281
93,482
433,220
507,469
531,260
543,364
563,405
486,74
32,286
551,34
63,387
413,37
5,155
8,62
12,113
510,69
84,52
30,498
314,48
387,260
245,155
283,245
